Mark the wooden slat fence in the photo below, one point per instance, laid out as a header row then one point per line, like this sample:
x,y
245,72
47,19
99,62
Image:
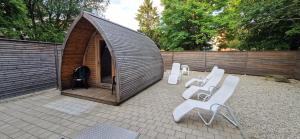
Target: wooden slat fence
x,y
27,66
297,69
232,62
253,63
264,63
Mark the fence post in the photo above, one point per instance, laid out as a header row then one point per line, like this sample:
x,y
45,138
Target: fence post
x,y
204,59
246,63
56,66
172,57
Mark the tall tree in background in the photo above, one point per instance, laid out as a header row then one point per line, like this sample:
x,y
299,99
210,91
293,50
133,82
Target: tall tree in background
x,y
12,18
42,20
227,21
270,24
51,18
187,24
148,19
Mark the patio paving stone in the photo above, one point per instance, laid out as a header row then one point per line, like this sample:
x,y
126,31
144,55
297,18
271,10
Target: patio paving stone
x,y
149,113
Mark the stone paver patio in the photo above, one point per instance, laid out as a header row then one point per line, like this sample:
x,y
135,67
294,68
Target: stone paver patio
x,y
149,113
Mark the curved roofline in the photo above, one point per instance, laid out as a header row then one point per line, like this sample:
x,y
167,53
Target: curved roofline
x,y
121,26
118,25
114,23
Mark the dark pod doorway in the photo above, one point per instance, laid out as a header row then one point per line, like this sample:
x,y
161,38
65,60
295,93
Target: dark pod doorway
x,y
106,70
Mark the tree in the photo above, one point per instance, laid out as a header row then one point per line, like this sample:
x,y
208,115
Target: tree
x,y
12,18
187,24
51,18
42,20
270,24
227,21
148,19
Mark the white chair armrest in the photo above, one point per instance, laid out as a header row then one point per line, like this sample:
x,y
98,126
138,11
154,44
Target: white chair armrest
x,y
211,89
215,104
206,96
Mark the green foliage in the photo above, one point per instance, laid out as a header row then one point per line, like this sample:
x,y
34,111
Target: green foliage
x,y
184,25
187,24
234,43
148,19
241,24
227,21
270,24
50,19
43,20
12,18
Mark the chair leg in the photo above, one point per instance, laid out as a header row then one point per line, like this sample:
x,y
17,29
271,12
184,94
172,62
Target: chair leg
x,y
207,122
233,119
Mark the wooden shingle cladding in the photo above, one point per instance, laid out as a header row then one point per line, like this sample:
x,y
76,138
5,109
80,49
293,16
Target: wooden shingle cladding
x,y
135,57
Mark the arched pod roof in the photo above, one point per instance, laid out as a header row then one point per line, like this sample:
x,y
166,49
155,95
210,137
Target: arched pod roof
x,y
136,57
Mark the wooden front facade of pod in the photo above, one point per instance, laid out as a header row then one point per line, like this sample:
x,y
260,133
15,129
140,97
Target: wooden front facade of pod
x,y
109,50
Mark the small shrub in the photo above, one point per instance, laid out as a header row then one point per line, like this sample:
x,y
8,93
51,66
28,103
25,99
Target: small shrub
x,y
278,78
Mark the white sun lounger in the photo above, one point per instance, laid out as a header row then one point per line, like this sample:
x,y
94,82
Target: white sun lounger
x,y
185,70
175,74
207,89
213,105
202,80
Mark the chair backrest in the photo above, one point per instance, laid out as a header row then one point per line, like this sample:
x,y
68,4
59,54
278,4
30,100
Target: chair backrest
x,y
225,92
81,72
184,66
211,72
215,78
175,69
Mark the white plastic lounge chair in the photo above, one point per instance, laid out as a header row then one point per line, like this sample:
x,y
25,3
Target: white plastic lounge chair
x,y
185,70
175,74
207,89
202,80
213,105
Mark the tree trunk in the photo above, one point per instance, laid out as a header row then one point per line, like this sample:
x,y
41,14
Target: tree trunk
x,y
30,6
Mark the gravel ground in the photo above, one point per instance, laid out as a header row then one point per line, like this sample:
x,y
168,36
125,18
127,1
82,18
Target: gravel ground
x,y
265,108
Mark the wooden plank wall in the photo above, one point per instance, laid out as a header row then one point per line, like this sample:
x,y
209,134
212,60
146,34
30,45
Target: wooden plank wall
x,y
252,63
297,69
90,61
265,63
167,59
194,60
31,66
26,67
232,62
74,50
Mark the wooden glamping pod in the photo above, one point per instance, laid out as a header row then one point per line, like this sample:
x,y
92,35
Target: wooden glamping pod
x,y
110,51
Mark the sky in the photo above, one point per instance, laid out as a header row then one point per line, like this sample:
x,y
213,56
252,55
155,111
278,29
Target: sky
x,y
124,12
